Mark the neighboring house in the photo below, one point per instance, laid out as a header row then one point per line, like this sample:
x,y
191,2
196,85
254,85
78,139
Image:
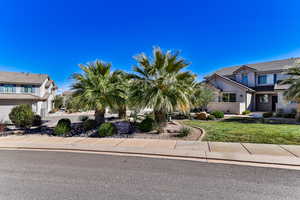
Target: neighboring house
x,y
253,87
16,88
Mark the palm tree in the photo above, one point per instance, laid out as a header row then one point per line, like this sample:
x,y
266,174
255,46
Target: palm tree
x,y
161,85
293,92
121,79
95,88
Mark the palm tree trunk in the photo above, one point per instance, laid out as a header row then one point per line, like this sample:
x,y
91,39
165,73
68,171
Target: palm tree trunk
x,y
122,112
99,116
160,118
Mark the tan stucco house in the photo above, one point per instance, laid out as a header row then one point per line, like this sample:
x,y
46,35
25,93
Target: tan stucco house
x,y
253,87
16,88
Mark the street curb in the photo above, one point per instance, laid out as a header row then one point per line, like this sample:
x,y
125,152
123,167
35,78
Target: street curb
x,y
159,155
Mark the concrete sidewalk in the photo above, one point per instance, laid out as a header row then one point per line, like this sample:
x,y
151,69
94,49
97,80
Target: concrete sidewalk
x,y
281,155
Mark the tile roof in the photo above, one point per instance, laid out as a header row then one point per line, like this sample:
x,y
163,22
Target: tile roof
x,y
22,78
262,66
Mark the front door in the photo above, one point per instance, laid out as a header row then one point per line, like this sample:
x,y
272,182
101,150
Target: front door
x,y
274,101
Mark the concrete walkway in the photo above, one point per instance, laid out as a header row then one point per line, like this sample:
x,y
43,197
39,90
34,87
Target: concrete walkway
x,y
240,153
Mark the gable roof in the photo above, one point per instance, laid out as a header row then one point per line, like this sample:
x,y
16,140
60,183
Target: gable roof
x,y
232,81
262,66
22,78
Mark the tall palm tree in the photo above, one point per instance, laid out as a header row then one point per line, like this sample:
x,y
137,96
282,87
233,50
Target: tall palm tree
x,y
293,92
160,84
95,88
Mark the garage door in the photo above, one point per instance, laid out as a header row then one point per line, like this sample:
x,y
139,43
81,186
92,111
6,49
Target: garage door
x,y
7,105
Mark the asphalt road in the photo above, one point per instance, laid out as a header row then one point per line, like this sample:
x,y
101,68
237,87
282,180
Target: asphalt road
x,y
57,175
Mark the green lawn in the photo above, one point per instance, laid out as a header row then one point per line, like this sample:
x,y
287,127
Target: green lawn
x,y
248,130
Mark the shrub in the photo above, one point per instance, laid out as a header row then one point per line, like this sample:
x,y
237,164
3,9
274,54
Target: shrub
x,y
148,124
37,120
289,115
107,129
65,121
183,132
22,116
201,116
83,118
267,114
218,114
246,112
89,124
62,129
180,116
211,117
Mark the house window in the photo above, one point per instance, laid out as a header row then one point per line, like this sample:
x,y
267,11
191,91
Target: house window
x,y
8,88
229,97
28,89
264,98
262,79
245,79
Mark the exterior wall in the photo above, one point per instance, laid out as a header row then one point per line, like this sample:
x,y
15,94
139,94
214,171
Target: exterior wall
x,y
227,107
284,104
227,87
251,77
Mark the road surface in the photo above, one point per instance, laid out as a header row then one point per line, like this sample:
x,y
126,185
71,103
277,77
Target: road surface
x,y
30,175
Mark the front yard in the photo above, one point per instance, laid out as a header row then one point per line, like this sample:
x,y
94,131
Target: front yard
x,y
248,131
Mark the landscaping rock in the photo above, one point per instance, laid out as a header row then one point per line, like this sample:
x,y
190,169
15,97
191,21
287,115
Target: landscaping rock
x,y
123,127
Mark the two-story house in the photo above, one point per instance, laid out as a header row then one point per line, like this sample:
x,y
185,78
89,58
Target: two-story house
x,y
37,90
253,87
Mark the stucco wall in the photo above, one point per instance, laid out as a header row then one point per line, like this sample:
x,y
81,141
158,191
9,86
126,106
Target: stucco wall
x,y
227,87
284,104
227,107
251,77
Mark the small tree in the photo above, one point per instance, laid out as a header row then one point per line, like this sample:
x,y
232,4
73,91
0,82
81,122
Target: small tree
x,y
203,95
22,116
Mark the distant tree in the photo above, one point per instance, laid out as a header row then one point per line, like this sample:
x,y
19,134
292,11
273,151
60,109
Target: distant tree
x,y
293,92
58,102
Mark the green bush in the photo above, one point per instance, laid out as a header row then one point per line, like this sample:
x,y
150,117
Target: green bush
x,y
246,112
65,121
218,114
83,118
89,124
62,129
183,132
22,116
148,124
107,129
267,114
211,117
37,120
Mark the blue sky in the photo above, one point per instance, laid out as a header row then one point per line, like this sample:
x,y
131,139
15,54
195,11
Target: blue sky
x,y
54,36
